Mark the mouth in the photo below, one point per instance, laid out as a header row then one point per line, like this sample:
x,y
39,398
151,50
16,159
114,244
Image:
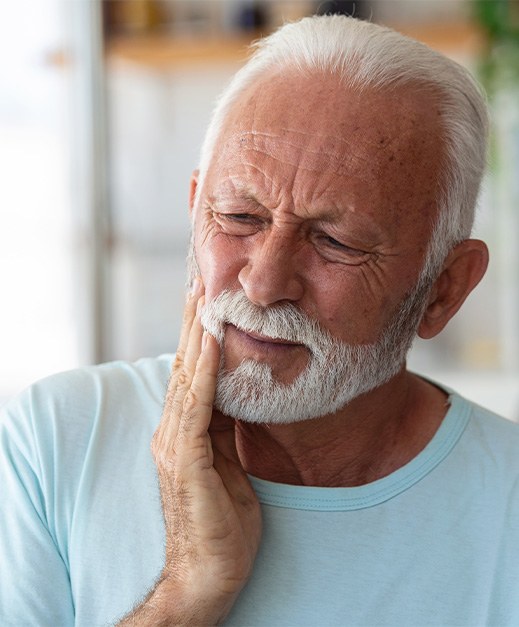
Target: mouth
x,y
263,342
267,339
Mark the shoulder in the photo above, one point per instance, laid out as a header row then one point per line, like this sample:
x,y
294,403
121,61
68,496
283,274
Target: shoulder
x,y
489,426
145,376
480,423
489,445
63,410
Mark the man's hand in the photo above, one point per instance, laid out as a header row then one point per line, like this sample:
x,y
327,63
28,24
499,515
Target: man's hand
x,y
211,513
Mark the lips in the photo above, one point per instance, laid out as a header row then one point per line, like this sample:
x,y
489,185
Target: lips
x,y
270,340
265,339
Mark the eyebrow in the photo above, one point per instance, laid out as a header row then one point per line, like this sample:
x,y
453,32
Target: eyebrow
x,y
333,214
238,193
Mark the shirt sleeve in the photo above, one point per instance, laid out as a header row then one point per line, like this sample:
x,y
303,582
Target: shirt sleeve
x,y
35,584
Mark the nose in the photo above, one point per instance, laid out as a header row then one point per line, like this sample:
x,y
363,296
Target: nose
x,y
271,274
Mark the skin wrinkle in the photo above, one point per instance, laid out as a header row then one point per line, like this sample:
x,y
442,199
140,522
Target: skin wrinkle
x,y
337,170
302,240
266,219
254,168
395,211
255,137
243,135
272,183
335,211
250,195
239,188
336,163
375,271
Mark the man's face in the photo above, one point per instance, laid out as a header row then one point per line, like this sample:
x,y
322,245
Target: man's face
x,y
322,200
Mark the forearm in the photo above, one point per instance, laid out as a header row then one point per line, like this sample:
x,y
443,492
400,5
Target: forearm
x,y
171,604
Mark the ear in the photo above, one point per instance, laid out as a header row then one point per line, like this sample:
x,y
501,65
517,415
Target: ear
x,y
193,184
462,271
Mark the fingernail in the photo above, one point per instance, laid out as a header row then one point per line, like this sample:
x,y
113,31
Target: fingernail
x,y
195,287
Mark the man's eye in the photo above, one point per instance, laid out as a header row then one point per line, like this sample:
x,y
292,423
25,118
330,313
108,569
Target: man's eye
x,y
238,217
333,243
233,217
335,251
238,223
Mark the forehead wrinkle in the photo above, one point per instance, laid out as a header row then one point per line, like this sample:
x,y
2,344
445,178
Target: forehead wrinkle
x,y
254,134
235,186
325,163
288,129
329,165
249,190
325,158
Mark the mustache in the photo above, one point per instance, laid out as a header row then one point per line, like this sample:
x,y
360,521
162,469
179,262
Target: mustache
x,y
284,321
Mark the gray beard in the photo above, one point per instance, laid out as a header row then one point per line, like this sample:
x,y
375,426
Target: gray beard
x,y
336,374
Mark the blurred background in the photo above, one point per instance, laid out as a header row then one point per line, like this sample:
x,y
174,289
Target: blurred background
x,y
103,105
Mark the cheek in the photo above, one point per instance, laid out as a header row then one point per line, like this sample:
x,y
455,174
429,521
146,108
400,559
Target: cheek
x,y
329,295
336,312
219,265
345,304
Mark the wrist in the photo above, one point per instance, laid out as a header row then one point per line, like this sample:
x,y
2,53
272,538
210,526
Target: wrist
x,y
194,601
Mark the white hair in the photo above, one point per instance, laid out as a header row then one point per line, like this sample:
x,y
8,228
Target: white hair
x,y
362,54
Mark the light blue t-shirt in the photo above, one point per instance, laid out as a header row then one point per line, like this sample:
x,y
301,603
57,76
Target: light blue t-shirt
x,y
82,537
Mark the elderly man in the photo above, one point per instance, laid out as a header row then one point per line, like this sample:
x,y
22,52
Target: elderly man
x,y
300,474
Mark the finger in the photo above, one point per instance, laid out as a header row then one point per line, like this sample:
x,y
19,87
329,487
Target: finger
x,y
189,315
193,350
194,344
171,414
166,431
198,402
187,322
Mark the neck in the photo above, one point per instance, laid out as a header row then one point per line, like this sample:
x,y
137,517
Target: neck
x,y
370,438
